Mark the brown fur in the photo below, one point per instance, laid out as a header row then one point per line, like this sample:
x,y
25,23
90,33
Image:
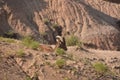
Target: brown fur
x,y
46,48
61,43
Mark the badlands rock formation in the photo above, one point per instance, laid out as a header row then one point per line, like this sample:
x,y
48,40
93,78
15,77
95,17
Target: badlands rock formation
x,y
95,22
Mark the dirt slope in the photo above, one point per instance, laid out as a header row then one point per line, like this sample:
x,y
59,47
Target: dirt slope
x,y
35,63
93,21
9,70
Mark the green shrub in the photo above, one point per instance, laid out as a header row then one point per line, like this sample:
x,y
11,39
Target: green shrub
x,y
72,40
9,40
29,42
100,67
66,78
47,63
34,45
46,21
20,53
60,63
26,41
55,26
10,33
28,78
60,51
80,44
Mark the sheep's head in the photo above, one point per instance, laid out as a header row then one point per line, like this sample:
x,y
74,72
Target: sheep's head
x,y
59,39
61,42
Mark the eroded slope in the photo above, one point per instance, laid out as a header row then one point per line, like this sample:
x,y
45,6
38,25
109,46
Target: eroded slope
x,y
93,21
35,63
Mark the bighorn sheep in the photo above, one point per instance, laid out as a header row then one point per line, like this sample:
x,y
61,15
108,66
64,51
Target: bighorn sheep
x,y
60,44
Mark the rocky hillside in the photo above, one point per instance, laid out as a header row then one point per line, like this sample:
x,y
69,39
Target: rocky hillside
x,y
96,22
19,62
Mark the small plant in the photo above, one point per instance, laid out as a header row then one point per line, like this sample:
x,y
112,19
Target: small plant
x,y
72,40
26,41
20,53
28,78
7,40
29,42
10,33
80,44
44,36
10,40
60,51
100,67
55,26
46,21
66,78
34,45
47,63
60,63
43,33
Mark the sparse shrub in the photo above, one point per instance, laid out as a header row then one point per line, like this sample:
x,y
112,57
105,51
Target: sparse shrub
x,y
10,40
60,51
46,21
7,40
29,42
34,45
100,67
47,63
80,44
44,37
20,53
43,33
26,41
28,78
66,78
72,40
55,26
60,63
10,33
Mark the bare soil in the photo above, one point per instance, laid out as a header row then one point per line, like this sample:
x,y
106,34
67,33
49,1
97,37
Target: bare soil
x,y
35,63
